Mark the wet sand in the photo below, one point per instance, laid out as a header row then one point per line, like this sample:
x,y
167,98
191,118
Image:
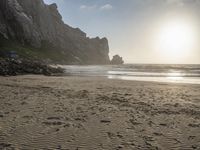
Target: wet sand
x,y
90,113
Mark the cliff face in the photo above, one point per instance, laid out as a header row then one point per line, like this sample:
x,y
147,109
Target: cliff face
x,y
34,23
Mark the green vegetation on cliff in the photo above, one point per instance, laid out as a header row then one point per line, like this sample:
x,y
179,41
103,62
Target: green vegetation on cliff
x,y
45,53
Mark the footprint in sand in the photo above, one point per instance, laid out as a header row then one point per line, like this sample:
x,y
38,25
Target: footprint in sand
x,y
157,134
110,135
53,121
5,146
24,103
194,125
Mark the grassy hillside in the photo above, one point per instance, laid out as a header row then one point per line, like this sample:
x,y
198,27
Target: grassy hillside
x,y
45,53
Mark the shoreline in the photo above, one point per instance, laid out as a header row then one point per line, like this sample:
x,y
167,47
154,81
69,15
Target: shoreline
x,y
94,77
63,75
163,73
39,112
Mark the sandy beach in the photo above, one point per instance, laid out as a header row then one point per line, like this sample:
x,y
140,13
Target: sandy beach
x,y
90,113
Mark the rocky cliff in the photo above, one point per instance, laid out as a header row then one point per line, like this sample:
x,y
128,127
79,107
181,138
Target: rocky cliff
x,y
39,28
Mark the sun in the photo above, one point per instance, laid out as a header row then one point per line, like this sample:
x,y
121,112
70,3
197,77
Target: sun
x,y
175,40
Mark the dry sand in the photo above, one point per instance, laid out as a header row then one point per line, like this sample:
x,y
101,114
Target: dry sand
x,y
83,113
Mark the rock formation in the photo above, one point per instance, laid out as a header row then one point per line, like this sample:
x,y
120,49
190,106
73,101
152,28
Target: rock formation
x,y
12,67
38,25
117,60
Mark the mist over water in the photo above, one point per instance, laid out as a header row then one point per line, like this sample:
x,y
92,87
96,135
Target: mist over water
x,y
139,72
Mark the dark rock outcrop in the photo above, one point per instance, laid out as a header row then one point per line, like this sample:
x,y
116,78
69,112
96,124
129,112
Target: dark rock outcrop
x,y
117,60
12,67
36,24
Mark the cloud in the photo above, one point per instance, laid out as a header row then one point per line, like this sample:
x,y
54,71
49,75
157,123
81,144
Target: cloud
x,y
183,2
95,7
87,7
106,7
177,2
53,1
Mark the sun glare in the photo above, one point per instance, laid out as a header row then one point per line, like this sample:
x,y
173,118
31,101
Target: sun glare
x,y
176,40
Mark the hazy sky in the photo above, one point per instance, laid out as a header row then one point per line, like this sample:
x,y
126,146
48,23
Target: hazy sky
x,y
134,27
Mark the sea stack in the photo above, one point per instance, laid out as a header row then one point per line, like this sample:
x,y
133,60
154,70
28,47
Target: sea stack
x,y
117,60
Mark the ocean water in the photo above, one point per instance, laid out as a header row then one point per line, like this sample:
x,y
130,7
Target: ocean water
x,y
140,72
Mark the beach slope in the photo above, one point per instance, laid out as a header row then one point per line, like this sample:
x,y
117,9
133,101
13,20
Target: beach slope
x,y
86,113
